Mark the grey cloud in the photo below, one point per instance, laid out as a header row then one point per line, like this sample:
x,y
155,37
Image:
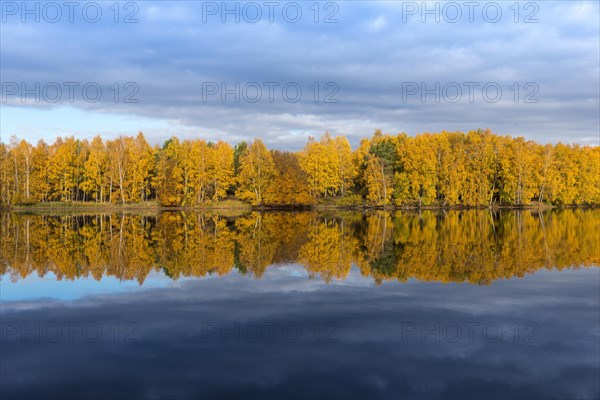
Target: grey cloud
x,y
170,57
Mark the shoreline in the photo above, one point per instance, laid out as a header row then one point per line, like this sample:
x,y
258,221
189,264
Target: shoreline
x,y
243,207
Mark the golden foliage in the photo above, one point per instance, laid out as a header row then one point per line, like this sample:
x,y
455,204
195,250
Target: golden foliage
x,y
445,169
257,171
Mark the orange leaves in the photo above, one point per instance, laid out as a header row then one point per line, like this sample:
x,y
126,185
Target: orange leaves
x,y
290,185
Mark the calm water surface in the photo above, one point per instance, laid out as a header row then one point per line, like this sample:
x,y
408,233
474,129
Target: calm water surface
x,y
456,304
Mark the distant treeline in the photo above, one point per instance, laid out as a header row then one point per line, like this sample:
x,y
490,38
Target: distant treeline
x,y
445,169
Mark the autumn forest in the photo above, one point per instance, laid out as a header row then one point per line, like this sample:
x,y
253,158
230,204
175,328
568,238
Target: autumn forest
x,y
444,169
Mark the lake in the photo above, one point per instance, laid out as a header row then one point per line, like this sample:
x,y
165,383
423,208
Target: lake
x,y
341,304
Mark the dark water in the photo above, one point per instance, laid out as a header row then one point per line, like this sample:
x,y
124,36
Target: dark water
x,y
453,304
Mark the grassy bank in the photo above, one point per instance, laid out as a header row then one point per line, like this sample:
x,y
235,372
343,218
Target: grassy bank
x,y
147,206
80,205
236,207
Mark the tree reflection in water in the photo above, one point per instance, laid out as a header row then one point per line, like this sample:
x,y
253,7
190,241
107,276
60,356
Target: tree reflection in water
x,y
475,246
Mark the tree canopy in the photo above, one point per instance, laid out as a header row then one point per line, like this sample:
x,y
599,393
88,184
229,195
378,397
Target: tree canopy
x,y
477,168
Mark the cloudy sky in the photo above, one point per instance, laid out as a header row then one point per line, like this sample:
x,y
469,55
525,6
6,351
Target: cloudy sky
x,y
285,70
